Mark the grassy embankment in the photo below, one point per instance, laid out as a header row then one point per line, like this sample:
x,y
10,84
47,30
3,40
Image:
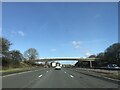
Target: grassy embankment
x,y
105,73
110,75
21,68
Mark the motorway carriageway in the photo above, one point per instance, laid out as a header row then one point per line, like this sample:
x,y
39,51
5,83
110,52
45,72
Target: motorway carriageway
x,y
51,78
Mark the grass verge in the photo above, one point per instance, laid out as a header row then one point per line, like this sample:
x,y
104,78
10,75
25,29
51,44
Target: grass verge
x,y
17,70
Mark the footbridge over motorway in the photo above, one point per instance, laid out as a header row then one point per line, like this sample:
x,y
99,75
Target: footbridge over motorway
x,y
67,59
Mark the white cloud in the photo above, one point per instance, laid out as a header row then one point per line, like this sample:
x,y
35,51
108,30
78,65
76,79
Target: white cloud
x,y
21,33
53,49
17,33
76,44
87,54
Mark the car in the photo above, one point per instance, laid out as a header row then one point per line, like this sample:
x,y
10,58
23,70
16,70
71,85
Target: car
x,y
57,68
113,66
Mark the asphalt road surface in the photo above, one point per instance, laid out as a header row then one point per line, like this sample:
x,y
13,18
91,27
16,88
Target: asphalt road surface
x,y
51,78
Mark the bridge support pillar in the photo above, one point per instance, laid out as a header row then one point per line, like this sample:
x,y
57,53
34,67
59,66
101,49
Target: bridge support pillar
x,y
90,64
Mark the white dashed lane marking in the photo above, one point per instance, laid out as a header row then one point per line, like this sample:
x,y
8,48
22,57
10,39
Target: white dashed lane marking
x,y
46,71
71,76
40,76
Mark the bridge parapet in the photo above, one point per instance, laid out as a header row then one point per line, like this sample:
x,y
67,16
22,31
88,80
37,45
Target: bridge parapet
x,y
73,59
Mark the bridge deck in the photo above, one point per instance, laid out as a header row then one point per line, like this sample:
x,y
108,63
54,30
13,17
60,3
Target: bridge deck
x,y
73,59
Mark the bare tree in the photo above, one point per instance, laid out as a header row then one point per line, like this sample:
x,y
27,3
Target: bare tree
x,y
31,54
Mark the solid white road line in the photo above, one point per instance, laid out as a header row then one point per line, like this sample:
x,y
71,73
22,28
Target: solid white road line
x,y
40,76
17,73
71,76
21,73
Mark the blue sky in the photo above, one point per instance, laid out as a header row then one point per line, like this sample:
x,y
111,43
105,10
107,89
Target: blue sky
x,y
61,29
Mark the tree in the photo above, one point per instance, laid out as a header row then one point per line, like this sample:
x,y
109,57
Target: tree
x,y
16,55
101,61
4,51
109,56
111,53
4,45
31,54
92,56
